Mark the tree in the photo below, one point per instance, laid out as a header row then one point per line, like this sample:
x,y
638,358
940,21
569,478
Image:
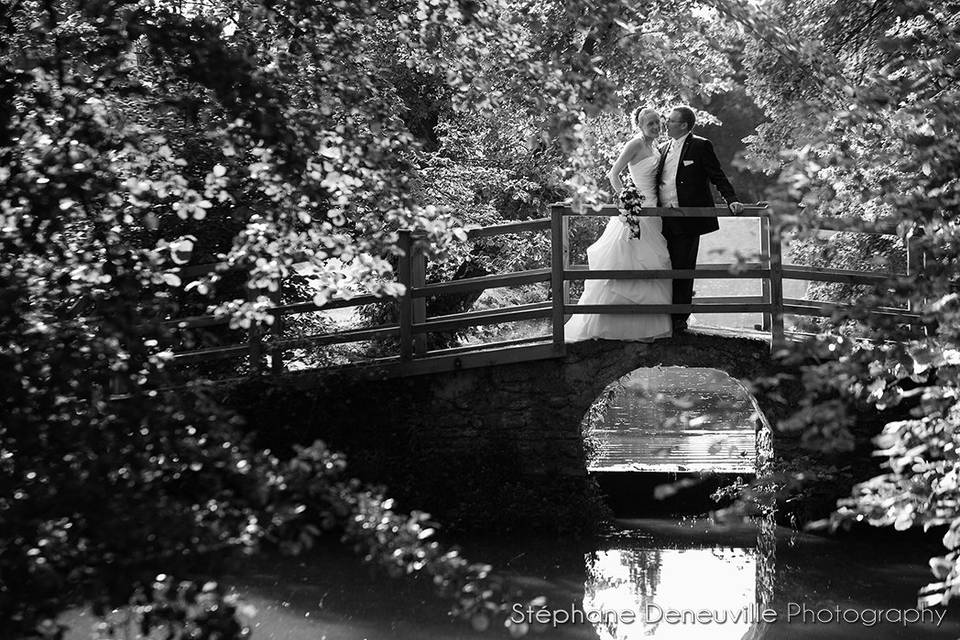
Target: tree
x,y
862,118
140,137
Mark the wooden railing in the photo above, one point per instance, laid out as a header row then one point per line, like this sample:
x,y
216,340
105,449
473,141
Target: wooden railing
x,y
414,324
769,270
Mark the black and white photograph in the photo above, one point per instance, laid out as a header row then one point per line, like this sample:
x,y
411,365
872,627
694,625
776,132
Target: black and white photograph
x,y
463,319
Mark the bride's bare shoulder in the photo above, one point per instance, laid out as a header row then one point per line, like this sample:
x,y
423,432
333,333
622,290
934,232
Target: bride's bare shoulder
x,y
639,149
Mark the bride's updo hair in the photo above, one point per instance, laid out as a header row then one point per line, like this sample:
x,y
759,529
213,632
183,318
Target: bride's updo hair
x,y
640,113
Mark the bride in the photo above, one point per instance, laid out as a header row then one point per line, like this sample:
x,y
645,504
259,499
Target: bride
x,y
617,249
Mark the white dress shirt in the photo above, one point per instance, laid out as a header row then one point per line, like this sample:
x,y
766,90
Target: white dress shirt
x,y
668,180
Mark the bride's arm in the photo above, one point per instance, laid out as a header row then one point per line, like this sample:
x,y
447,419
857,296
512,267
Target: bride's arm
x,y
626,155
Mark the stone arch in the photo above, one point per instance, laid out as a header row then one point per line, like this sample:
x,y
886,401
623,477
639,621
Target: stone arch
x,y
475,430
591,367
674,419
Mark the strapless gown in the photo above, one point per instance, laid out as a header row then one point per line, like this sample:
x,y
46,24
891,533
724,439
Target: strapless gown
x,y
616,249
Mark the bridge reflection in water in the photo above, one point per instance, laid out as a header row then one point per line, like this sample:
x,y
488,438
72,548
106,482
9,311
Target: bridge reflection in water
x,y
681,580
664,572
673,419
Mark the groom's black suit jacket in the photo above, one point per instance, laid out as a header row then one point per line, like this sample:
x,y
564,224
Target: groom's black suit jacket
x,y
697,168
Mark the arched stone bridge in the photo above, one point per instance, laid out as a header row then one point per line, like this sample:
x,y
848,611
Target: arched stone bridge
x,y
474,436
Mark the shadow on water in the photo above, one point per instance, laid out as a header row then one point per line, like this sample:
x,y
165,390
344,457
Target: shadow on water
x,y
662,570
652,494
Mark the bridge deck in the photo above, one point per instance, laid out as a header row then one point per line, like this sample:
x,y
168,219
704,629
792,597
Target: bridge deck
x,y
676,419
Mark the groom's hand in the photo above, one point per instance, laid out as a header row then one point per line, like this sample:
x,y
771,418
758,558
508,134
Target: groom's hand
x,y
736,208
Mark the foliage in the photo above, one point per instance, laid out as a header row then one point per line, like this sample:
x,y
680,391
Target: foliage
x,y
402,546
181,611
862,117
296,501
139,137
135,139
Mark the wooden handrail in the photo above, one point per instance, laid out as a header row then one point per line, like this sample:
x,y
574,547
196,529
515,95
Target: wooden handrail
x,y
212,353
481,283
666,274
338,337
413,323
857,226
739,307
610,210
538,224
308,307
493,316
847,276
822,308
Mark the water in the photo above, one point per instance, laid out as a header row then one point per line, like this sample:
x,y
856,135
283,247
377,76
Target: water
x,y
660,578
756,581
670,419
654,568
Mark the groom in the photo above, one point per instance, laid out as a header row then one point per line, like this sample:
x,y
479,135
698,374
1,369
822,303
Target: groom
x,y
688,165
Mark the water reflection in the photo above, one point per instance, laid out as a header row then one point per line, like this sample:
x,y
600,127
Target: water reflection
x,y
670,419
700,582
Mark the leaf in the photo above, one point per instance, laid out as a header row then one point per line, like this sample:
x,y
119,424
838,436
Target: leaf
x,y
480,622
181,250
903,522
941,567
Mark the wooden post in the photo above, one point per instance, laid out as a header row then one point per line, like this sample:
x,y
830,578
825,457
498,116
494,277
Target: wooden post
x,y
766,319
565,244
776,283
916,265
276,352
916,258
558,262
254,342
405,274
908,244
418,278
116,386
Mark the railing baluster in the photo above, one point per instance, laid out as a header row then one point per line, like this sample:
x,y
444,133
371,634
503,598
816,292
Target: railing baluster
x,y
418,278
916,265
565,245
766,318
559,251
405,274
776,282
276,351
908,244
254,342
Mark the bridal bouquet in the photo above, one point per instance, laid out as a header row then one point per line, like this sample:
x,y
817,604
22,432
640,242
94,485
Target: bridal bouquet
x,y
631,200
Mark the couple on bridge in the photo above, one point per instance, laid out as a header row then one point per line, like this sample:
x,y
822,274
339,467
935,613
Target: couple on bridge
x,y
676,173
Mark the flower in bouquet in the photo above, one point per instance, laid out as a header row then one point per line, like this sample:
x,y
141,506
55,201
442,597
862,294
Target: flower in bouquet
x,y
631,201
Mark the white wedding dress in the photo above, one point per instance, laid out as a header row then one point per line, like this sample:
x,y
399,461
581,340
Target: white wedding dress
x,y
616,249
